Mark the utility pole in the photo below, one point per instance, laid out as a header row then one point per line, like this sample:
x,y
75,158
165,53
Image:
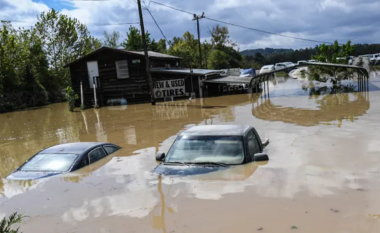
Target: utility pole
x,y
205,49
197,18
150,80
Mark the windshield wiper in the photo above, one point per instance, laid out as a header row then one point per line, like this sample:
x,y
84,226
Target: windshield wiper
x,y
197,163
211,163
180,163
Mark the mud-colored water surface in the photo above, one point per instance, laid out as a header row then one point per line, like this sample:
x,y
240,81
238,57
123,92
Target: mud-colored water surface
x,y
323,174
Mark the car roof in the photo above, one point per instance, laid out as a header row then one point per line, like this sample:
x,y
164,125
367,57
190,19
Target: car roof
x,y
216,130
266,66
73,148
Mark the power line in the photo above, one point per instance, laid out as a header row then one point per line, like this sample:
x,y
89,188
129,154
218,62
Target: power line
x,y
240,26
267,32
90,0
109,24
90,24
156,23
173,8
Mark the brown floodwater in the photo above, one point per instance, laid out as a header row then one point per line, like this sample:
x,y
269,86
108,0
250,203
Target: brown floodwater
x,y
323,174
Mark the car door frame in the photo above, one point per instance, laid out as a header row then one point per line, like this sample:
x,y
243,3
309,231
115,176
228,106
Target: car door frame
x,y
88,153
110,145
249,158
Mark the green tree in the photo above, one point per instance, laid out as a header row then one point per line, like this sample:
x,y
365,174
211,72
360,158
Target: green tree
x,y
112,39
218,60
159,46
24,66
71,97
134,41
227,49
64,39
185,47
331,54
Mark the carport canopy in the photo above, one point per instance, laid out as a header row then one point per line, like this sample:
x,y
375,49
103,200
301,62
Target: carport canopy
x,y
230,80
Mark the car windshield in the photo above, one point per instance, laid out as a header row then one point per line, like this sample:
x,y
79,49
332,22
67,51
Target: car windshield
x,y
50,162
204,149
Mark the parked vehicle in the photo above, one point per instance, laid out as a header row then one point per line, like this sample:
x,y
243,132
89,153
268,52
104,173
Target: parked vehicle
x,y
300,62
62,158
289,64
374,59
204,149
279,66
266,69
351,60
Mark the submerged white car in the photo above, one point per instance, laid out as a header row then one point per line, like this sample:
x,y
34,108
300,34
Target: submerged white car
x,y
266,69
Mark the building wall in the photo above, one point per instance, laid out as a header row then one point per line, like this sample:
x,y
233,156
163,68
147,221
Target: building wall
x,y
135,88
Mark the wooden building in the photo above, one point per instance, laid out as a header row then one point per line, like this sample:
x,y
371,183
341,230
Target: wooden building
x,y
119,73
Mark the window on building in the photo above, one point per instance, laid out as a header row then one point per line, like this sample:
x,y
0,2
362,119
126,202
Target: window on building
x,y
122,69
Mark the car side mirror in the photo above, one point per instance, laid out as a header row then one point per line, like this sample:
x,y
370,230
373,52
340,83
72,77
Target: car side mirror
x,y
258,157
160,156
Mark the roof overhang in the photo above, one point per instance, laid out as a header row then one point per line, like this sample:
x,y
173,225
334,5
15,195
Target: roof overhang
x,y
120,51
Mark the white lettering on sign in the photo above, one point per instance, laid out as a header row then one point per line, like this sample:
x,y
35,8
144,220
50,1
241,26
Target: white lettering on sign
x,y
169,88
170,110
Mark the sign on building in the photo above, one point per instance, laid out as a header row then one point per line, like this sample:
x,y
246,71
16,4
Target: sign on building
x,y
169,88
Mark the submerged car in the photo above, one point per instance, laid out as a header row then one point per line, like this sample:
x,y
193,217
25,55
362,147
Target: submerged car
x,y
204,149
62,158
267,68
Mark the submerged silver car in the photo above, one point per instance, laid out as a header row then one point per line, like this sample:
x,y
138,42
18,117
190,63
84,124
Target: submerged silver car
x,y
203,149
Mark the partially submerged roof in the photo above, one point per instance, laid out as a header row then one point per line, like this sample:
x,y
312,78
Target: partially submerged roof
x,y
185,71
216,130
72,148
230,80
151,54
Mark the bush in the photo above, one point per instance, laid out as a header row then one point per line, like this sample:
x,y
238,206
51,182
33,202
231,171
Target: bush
x,y
6,224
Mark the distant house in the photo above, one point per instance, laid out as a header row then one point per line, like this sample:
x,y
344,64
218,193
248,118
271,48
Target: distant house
x,y
119,73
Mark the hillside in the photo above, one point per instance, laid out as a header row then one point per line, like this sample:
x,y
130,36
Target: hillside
x,y
265,52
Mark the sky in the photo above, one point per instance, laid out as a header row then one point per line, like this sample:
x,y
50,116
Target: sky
x,y
321,20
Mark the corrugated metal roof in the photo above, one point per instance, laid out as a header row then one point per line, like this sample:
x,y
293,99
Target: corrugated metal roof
x,y
185,71
152,54
230,80
140,53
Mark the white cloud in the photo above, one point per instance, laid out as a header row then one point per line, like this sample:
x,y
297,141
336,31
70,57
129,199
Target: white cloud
x,y
274,41
324,20
326,4
22,12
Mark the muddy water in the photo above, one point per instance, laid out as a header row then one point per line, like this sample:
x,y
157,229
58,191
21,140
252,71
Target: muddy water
x,y
323,174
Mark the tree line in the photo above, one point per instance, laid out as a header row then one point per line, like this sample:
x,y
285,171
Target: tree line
x,y
32,60
260,57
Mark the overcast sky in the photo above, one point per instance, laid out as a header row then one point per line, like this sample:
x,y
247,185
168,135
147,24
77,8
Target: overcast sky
x,y
322,20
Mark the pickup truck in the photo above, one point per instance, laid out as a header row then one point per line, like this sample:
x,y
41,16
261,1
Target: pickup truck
x,y
208,148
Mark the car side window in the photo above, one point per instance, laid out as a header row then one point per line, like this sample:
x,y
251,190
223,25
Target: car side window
x,y
111,149
84,162
253,145
96,155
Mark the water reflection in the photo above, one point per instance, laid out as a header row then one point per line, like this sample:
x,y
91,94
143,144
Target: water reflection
x,y
121,191
331,103
157,215
24,133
